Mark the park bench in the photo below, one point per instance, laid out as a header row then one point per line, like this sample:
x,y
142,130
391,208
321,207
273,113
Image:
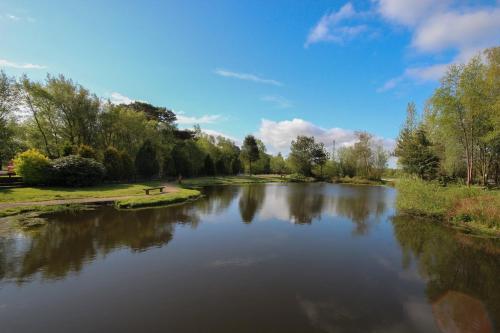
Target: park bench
x,y
153,188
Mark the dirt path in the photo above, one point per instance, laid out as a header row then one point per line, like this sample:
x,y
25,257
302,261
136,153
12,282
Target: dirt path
x,y
168,189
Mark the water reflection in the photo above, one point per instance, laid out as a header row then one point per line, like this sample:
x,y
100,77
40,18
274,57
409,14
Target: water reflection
x,y
459,271
237,261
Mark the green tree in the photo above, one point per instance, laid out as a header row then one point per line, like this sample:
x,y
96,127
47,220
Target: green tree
x,y
320,156
301,154
250,150
278,164
146,160
113,163
209,168
128,170
9,99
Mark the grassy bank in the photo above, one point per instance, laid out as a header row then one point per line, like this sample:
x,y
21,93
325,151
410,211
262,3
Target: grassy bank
x,y
233,180
473,208
357,181
24,194
158,200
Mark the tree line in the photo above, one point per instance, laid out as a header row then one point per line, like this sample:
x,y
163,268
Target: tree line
x,y
56,126
458,136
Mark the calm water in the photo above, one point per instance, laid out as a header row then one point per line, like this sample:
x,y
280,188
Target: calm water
x,y
259,258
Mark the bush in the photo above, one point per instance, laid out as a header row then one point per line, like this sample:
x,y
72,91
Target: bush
x,y
220,167
128,170
87,152
113,163
33,167
69,149
146,162
75,171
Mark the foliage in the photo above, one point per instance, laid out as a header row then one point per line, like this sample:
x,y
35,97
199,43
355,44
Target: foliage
x,y
33,166
463,117
76,171
113,163
127,164
250,151
278,164
209,168
146,161
87,152
301,154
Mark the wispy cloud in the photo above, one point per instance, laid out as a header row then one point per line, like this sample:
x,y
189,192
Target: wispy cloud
x,y
183,119
246,77
16,18
329,28
278,102
11,64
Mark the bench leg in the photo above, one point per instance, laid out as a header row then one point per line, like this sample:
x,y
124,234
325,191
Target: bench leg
x,y
147,192
161,190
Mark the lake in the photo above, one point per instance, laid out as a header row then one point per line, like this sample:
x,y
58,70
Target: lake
x,y
256,258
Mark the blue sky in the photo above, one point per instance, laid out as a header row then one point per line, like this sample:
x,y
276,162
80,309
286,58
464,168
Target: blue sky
x,y
272,68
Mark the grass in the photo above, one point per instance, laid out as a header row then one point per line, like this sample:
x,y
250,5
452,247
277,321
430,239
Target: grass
x,y
25,194
471,207
41,209
232,180
357,181
158,200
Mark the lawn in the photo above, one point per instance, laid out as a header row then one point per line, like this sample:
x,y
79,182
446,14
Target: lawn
x,y
158,200
56,193
232,180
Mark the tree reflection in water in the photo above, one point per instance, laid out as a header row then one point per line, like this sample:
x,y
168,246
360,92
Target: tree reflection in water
x,y
251,200
460,270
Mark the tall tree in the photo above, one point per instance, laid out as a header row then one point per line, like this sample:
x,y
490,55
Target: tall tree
x,y
146,161
250,150
320,156
301,154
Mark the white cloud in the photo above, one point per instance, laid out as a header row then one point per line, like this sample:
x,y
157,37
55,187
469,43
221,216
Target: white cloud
x,y
328,28
279,102
117,98
409,12
246,77
183,119
439,26
462,31
11,64
217,133
277,135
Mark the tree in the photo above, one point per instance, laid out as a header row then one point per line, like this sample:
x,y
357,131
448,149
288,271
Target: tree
x,y
8,104
235,165
113,163
220,167
320,156
250,150
460,108
301,154
278,164
146,161
363,153
128,170
209,166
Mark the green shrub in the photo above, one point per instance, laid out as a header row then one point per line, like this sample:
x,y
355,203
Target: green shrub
x,y
87,152
69,149
113,163
128,170
75,171
146,161
33,167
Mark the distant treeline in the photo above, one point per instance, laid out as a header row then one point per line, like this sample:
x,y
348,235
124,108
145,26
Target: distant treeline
x,y
56,126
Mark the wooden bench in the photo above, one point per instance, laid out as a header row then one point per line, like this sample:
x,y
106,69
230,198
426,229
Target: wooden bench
x,y
153,188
